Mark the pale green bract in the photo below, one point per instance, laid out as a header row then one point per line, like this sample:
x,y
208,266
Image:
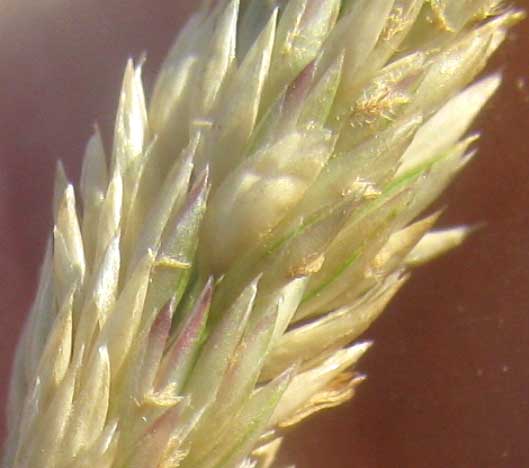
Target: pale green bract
x,y
254,219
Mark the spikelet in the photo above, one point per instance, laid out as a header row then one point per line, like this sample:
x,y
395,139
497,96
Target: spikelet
x,y
205,289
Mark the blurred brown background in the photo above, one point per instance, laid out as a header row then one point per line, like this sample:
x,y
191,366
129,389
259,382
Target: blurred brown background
x,y
449,374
